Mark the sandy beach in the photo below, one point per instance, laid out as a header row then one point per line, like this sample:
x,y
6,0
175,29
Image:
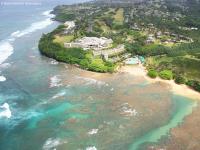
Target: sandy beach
x,y
183,90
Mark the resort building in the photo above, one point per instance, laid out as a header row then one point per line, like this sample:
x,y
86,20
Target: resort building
x,y
109,52
91,43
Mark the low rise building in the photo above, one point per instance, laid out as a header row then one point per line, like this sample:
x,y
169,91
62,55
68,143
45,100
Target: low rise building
x,y
70,27
91,43
150,39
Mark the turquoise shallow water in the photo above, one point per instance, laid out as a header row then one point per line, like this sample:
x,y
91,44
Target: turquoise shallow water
x,y
58,106
182,108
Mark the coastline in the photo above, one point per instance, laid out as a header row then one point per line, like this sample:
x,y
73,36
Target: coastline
x,y
140,71
88,104
183,90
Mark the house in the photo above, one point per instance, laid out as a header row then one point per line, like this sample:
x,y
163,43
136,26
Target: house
x,y
70,27
135,27
159,34
150,39
166,33
174,35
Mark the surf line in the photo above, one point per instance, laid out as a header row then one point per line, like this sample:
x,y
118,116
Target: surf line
x,y
6,46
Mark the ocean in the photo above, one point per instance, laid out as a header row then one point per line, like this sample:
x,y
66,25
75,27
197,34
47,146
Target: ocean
x,y
49,105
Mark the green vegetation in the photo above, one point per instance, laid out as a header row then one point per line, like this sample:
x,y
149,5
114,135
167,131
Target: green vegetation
x,y
184,68
152,73
62,39
166,74
84,59
194,84
119,16
99,65
180,80
65,17
173,53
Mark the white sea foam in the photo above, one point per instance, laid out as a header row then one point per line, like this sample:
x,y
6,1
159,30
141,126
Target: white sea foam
x,y
55,81
48,14
11,39
15,33
5,65
59,95
2,78
112,89
6,111
91,148
6,49
93,131
54,62
34,27
52,143
90,81
32,56
127,110
131,112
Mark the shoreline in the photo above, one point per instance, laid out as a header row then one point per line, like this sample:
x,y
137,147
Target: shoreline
x,y
140,70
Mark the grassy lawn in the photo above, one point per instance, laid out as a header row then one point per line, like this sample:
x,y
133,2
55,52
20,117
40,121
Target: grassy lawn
x,y
62,39
191,57
129,38
150,46
184,65
188,65
119,16
103,26
111,10
169,44
156,60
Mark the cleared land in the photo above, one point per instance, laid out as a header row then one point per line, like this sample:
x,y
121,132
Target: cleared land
x,y
63,39
119,16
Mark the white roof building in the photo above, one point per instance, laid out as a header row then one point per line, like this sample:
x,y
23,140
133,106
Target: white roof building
x,y
91,43
70,27
70,24
95,42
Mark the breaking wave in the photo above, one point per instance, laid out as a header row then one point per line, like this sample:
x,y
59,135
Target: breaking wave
x,y
2,78
5,65
91,148
6,47
6,111
93,131
55,81
34,27
61,94
90,81
52,143
48,14
54,62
